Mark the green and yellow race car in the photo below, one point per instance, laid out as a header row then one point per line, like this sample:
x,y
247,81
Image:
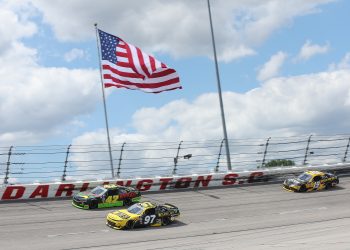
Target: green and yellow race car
x,y
106,196
143,214
310,181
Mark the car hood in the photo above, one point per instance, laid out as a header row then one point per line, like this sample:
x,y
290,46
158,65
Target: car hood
x,y
122,215
85,196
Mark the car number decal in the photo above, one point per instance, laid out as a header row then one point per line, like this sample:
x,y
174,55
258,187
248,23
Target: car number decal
x,y
111,199
149,219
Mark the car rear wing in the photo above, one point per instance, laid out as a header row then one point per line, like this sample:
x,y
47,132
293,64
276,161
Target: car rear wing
x,y
171,205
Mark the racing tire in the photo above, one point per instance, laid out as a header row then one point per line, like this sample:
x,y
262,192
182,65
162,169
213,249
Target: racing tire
x,y
302,188
127,202
93,205
166,221
328,185
129,225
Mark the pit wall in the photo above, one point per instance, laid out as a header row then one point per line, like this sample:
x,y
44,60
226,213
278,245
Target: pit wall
x,y
58,190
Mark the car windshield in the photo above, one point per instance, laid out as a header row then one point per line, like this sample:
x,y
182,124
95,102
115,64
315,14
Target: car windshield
x,y
135,209
98,190
304,177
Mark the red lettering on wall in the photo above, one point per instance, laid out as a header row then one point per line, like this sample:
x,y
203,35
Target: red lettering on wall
x,y
84,187
204,182
144,187
164,182
229,179
41,190
68,188
183,182
252,176
9,195
126,184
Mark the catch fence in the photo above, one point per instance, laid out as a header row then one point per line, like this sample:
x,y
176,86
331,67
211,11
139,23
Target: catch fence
x,y
28,164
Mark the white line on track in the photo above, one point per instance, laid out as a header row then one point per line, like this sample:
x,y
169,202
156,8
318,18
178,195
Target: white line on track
x,y
303,210
77,233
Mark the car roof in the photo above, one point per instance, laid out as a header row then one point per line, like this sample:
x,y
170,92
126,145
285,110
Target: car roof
x,y
148,204
111,186
314,172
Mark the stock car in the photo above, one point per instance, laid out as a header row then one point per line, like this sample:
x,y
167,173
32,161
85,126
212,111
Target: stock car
x,y
310,181
106,196
142,215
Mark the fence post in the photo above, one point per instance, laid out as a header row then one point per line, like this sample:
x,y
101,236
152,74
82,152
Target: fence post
x,y
176,158
217,163
307,150
265,152
65,164
7,173
120,159
346,151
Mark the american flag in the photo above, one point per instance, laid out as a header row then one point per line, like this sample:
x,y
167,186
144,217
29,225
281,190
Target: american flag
x,y
126,66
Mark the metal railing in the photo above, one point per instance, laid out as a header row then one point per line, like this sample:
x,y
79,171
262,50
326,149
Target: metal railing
x,y
26,164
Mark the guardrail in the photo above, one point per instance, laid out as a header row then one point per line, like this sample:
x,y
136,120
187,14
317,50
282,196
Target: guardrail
x,y
156,184
27,164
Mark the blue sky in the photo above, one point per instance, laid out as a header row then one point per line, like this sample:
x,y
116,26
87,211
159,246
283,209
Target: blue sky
x,y
284,68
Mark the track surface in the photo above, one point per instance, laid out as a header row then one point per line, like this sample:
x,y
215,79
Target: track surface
x,y
250,217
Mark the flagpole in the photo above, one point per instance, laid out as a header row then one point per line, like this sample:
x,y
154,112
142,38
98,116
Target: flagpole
x,y
228,157
104,102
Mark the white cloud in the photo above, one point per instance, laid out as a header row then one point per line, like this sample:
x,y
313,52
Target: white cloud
x,y
315,103
35,101
309,50
343,64
17,26
42,99
74,54
272,67
178,27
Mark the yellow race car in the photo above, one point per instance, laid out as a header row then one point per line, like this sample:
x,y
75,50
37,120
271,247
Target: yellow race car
x,y
311,180
143,214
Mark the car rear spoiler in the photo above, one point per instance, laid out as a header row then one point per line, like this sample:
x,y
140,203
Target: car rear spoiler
x,y
170,205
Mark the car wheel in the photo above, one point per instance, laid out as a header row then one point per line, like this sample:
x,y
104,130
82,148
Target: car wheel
x,y
93,205
328,185
302,188
166,221
129,225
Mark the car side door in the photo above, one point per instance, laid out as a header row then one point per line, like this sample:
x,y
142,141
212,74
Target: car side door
x,y
149,217
123,194
111,196
317,182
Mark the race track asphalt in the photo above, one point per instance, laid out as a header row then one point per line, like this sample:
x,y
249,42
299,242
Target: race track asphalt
x,y
245,217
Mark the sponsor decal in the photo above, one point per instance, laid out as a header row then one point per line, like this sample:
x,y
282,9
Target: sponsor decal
x,y
127,195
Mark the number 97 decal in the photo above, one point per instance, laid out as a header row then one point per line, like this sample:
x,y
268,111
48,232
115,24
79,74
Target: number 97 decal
x,y
149,219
